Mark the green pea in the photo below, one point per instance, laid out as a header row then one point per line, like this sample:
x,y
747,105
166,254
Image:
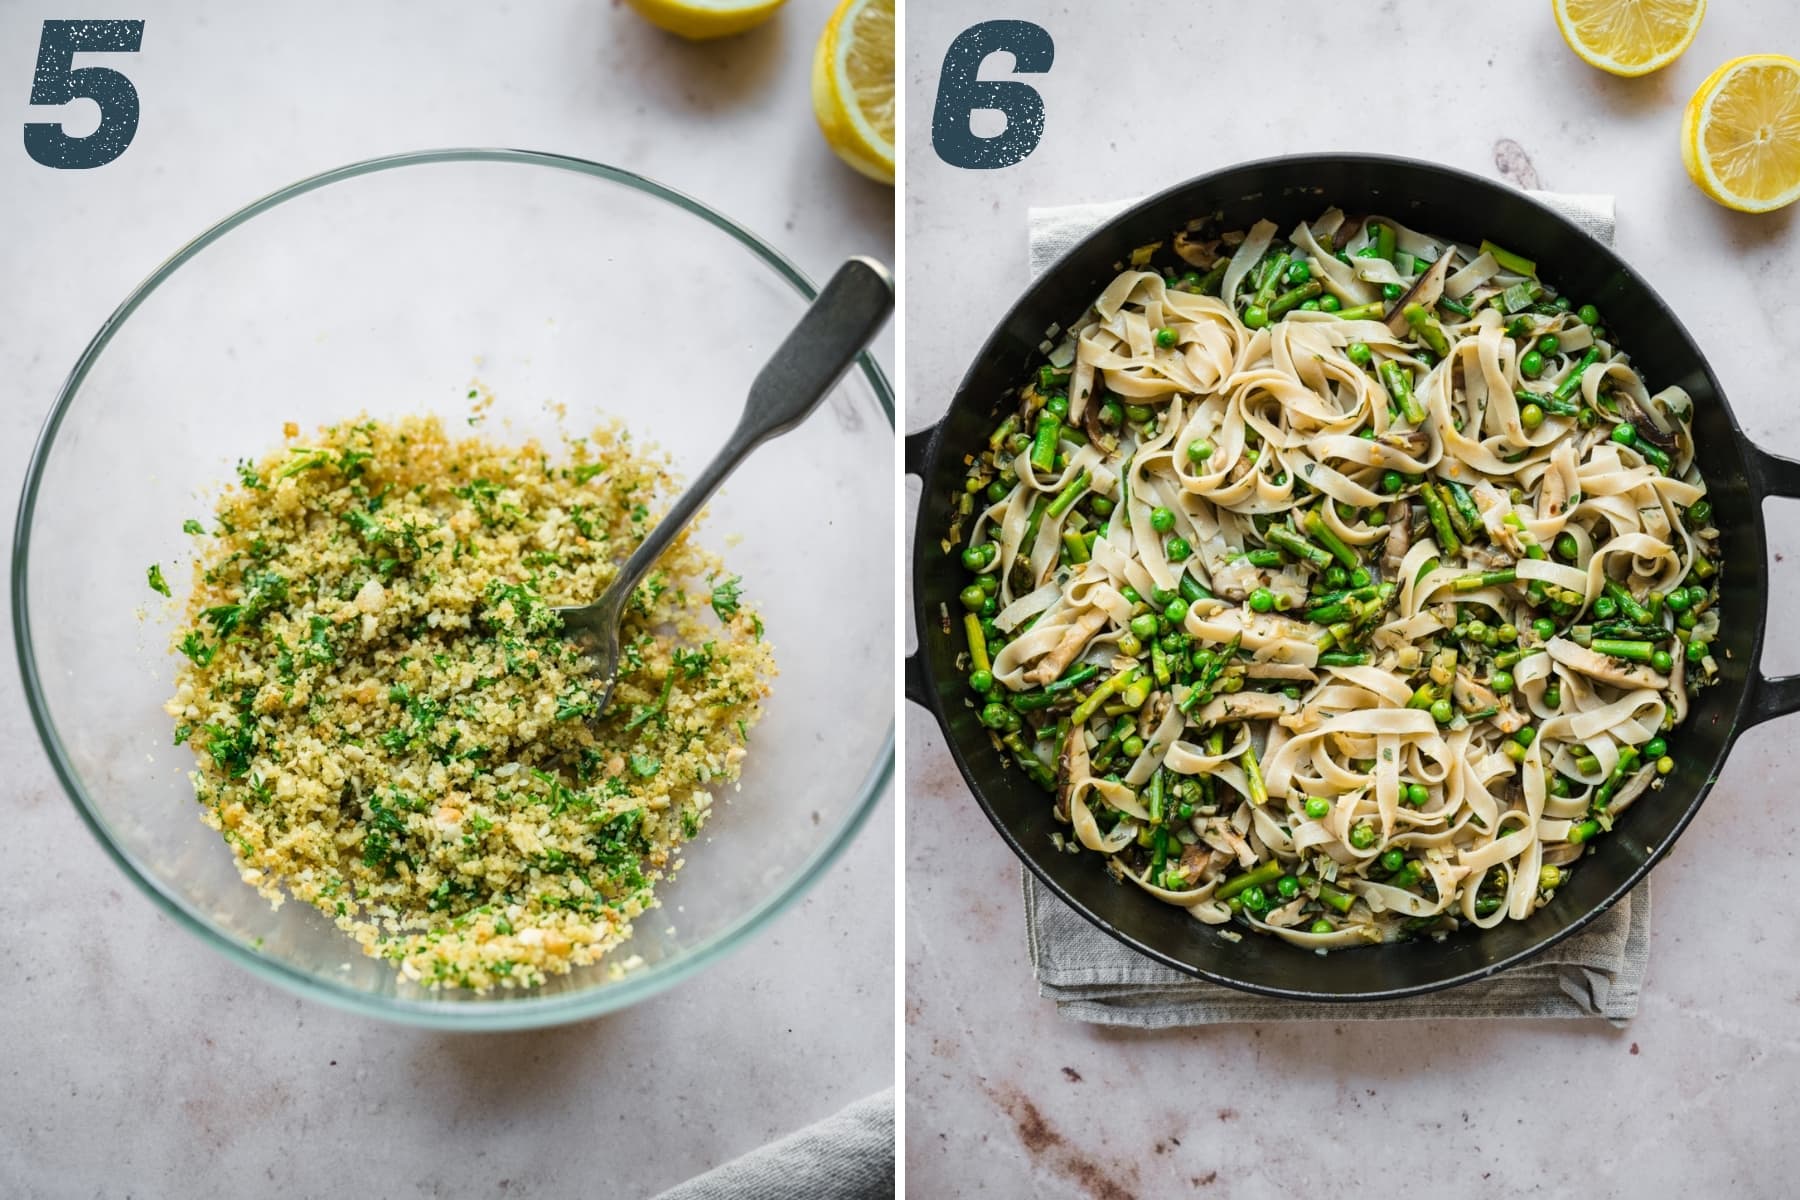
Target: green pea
x,y
1131,595
1442,712
997,492
1696,651
1391,291
1111,413
1393,860
981,681
1256,316
1531,416
1288,886
1417,795
1664,765
1129,645
1100,506
1177,611
1185,812
1359,353
1199,450
1566,547
1550,878
1330,303
1317,807
1144,625
1161,596
1700,512
1189,282
1548,344
1507,633
1513,751
1588,314
1254,899
1553,695
1531,364
1687,620
1606,608
1309,306
1321,925
1678,601
1298,272
1138,413
1360,578
1262,600
1162,520
996,716
1175,550
1058,404
1391,482
1698,594
1362,835
1166,337
1655,748
1625,434
973,558
1544,627
1559,787
1336,576
973,597
1478,630
989,583
1132,746
1662,661
991,605
1501,682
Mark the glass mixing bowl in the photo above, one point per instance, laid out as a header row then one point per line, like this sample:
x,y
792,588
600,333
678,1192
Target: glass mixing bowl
x,y
390,287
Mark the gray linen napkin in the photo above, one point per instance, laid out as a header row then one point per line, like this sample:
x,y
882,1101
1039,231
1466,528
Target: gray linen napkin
x,y
1091,977
846,1156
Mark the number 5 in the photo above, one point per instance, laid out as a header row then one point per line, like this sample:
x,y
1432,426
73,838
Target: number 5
x,y
59,81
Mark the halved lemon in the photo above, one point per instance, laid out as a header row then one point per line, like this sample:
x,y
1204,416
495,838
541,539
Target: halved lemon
x,y
1740,136
1628,37
698,20
853,86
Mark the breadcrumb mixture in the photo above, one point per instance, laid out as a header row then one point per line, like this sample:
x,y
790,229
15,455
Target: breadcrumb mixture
x,y
388,725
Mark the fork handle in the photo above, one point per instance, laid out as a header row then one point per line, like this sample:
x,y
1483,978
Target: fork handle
x,y
849,311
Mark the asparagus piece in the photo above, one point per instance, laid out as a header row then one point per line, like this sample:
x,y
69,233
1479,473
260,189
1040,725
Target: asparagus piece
x,y
1259,792
1628,759
1100,695
1473,583
1256,876
1619,648
1572,382
1338,658
1043,444
1074,678
1362,312
1448,542
1398,383
1287,539
1426,326
1066,498
1315,525
1627,603
1294,297
978,652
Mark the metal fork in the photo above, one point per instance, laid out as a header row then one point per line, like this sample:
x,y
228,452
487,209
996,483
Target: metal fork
x,y
849,311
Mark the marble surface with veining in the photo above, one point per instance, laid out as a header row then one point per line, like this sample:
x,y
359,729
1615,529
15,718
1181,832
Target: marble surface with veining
x,y
135,1062
1697,1095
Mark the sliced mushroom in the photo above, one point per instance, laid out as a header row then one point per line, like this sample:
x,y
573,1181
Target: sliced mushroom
x,y
1643,421
1399,537
1471,694
1426,291
1604,668
1413,441
1063,653
1553,493
1096,432
1197,253
1245,706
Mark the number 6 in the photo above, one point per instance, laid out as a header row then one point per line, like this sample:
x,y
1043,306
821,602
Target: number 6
x,y
961,93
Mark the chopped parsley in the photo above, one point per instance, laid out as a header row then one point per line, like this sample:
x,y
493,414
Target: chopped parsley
x,y
725,598
157,584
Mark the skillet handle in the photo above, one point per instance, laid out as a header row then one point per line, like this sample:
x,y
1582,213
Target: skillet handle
x,y
918,453
1772,695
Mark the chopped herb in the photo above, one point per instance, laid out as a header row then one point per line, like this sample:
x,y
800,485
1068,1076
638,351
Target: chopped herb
x,y
157,584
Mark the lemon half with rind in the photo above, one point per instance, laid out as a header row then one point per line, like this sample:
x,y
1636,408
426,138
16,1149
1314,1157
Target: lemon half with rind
x,y
853,86
700,20
1740,135
1628,37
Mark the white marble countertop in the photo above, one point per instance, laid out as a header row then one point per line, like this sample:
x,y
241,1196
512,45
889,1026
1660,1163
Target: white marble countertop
x,y
139,1063
1005,1097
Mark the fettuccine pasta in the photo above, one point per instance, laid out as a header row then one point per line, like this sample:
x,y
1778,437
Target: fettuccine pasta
x,y
1343,585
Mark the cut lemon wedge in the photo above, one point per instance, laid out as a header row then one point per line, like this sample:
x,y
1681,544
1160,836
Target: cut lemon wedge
x,y
1628,37
853,86
1740,136
698,20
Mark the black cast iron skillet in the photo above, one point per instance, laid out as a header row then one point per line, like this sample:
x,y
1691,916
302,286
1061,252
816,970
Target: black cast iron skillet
x,y
1448,203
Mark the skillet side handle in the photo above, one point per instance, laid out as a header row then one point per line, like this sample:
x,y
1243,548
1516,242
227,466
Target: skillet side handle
x,y
1772,696
917,447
